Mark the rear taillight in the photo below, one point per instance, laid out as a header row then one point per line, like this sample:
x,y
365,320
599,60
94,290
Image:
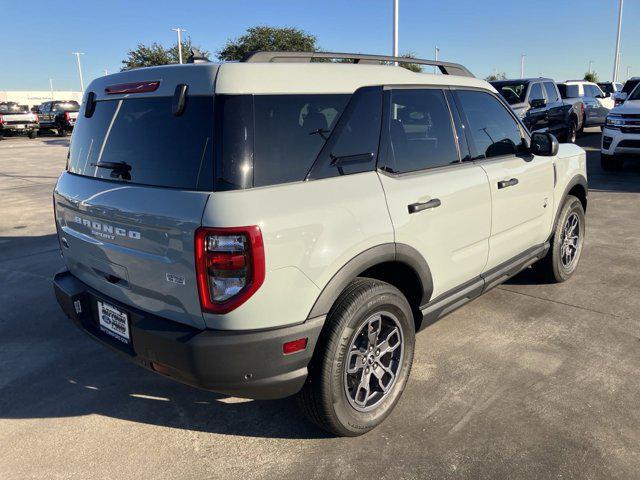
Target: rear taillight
x,y
66,116
230,266
1,120
37,120
582,109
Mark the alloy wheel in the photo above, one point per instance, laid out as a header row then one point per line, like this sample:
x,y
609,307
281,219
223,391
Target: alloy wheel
x,y
570,240
373,361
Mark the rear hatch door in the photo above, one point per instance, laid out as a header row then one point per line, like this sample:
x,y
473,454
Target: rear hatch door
x,y
128,231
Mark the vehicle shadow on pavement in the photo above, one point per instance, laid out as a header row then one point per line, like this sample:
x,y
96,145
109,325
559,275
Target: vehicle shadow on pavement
x,y
50,369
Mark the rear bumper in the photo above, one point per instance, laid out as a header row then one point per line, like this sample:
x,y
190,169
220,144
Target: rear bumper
x,y
18,128
244,364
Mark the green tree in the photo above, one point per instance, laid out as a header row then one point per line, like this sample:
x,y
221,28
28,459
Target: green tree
x,y
591,77
496,76
156,54
268,39
414,67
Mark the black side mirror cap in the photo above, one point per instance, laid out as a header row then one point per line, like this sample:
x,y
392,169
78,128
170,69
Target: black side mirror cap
x,y
544,144
537,103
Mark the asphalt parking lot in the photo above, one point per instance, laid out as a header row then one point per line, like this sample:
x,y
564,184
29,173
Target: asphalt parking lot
x,y
529,381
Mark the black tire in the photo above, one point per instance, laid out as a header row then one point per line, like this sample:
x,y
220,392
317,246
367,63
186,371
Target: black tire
x,y
553,266
33,134
572,131
1,137
326,397
610,163
61,131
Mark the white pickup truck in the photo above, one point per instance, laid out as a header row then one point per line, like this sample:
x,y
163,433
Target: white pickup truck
x,y
17,119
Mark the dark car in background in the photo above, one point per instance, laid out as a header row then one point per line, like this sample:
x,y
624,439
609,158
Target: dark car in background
x,y
628,87
609,88
538,103
59,115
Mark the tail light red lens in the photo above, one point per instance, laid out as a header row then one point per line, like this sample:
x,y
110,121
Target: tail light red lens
x,y
230,266
66,116
1,120
37,118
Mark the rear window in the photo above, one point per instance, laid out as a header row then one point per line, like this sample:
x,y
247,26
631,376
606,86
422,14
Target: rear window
x,y
157,148
513,93
66,107
568,91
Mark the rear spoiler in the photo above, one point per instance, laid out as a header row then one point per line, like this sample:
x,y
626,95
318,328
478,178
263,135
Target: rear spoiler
x,y
447,68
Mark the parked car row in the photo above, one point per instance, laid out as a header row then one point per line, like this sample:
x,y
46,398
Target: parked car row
x,y
57,115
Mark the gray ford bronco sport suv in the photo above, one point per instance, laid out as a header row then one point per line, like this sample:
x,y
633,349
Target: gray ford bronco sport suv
x,y
283,225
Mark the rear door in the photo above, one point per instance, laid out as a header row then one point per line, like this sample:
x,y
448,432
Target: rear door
x,y
134,193
555,109
521,184
439,205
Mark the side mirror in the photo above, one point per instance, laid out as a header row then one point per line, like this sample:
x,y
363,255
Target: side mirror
x,y
537,103
544,144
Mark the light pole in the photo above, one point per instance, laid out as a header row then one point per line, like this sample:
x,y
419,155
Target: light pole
x,y
179,31
590,66
616,60
435,69
395,28
522,65
628,73
51,87
106,72
77,54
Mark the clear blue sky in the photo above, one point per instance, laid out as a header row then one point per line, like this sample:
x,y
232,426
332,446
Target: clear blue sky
x,y
558,36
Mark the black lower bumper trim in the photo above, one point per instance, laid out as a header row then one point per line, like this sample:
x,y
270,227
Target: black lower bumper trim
x,y
246,364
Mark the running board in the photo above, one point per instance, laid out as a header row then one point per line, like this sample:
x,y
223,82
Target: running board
x,y
457,297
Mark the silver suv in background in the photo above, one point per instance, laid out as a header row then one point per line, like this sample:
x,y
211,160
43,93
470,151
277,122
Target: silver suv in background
x,y
596,103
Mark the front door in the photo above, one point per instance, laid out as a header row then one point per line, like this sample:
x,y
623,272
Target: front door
x,y
438,204
538,115
521,184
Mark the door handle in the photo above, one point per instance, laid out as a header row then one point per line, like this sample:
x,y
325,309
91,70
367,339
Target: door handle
x,y
420,206
507,183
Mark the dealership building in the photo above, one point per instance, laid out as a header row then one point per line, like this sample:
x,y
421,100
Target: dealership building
x,y
33,98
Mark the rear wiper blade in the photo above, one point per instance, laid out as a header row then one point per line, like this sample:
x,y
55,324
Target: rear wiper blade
x,y
115,166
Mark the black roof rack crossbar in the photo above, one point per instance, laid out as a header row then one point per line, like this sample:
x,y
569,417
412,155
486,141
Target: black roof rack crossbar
x,y
446,68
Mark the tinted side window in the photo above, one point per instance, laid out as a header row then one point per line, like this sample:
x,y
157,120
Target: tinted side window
x,y
492,129
290,131
353,147
536,92
420,131
629,85
552,94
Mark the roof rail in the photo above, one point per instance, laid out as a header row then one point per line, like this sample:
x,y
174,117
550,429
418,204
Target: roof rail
x,y
446,68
